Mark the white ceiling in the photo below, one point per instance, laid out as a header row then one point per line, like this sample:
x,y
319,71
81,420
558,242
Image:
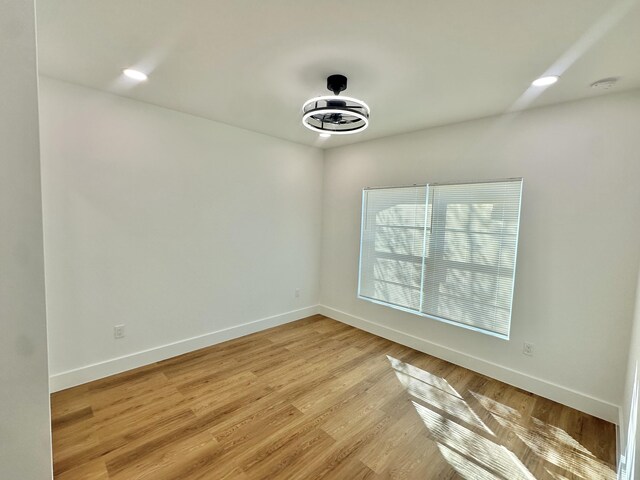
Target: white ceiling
x,y
417,63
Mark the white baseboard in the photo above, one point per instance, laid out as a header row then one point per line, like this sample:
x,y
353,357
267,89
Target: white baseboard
x,y
566,396
578,400
88,373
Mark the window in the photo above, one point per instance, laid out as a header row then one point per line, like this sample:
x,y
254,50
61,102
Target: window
x,y
445,251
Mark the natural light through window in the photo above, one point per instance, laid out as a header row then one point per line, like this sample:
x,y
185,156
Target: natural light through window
x,y
445,251
483,438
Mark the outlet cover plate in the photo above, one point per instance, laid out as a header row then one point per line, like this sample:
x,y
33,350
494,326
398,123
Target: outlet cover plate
x,y
118,331
528,349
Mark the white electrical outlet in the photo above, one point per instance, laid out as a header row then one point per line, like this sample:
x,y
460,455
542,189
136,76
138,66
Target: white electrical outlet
x,y
528,349
118,331
297,292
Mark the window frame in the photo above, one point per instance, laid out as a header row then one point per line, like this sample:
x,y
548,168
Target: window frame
x,y
423,259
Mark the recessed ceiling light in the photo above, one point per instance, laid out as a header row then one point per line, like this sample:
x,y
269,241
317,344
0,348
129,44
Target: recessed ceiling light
x,y
135,74
325,135
545,81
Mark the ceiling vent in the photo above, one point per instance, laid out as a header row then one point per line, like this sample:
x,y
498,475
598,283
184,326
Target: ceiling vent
x,y
605,83
335,114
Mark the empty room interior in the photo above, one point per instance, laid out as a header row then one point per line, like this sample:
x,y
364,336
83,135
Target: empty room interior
x,y
319,240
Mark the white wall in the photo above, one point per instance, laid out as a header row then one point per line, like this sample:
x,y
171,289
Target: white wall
x,y
171,224
185,230
578,251
25,435
630,423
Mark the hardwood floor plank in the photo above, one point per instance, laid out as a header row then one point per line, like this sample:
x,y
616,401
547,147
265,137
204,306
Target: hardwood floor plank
x,y
72,417
162,463
399,436
318,399
292,462
94,470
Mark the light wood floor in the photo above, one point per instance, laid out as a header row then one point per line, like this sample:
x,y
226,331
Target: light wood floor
x,y
319,399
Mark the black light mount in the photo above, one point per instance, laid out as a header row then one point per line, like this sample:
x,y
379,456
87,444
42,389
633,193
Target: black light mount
x,y
337,83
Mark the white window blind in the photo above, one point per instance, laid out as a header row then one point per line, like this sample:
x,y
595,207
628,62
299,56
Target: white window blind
x,y
446,251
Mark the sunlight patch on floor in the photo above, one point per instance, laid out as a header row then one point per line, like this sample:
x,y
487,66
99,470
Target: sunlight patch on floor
x,y
559,453
439,399
491,456
465,467
538,427
548,441
471,450
423,376
555,475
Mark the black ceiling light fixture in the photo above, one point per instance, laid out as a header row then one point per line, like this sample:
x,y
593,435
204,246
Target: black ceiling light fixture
x,y
334,114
